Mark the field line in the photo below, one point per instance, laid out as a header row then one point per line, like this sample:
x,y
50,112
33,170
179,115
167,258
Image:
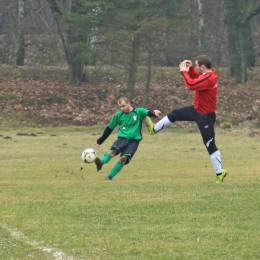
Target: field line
x,y
58,255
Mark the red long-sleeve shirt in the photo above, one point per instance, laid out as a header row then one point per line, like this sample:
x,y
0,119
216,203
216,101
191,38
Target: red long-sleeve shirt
x,y
205,86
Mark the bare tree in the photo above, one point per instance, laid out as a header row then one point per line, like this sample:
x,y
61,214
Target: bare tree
x,y
57,11
20,34
148,77
238,16
201,27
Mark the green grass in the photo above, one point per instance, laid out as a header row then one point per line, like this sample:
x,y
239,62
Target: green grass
x,y
15,120
163,205
8,97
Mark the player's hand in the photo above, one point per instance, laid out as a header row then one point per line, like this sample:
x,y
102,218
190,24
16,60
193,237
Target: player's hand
x,y
157,112
96,144
188,62
184,67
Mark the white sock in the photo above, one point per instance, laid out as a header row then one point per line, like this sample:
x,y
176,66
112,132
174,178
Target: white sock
x,y
162,123
216,160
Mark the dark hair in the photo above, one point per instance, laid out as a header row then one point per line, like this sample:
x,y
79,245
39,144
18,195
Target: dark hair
x,y
204,60
120,100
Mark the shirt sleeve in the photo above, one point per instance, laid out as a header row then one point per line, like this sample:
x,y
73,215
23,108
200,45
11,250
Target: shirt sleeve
x,y
110,127
142,112
105,135
114,121
199,83
151,114
193,73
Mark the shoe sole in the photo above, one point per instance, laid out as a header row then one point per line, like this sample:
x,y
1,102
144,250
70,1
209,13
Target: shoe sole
x,y
98,164
223,178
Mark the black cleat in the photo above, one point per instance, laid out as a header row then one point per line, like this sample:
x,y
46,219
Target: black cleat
x,y
98,163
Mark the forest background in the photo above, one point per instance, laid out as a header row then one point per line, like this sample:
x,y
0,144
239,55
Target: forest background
x,y
67,61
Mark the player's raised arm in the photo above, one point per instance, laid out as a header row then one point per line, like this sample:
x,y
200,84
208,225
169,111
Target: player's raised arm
x,y
184,66
188,62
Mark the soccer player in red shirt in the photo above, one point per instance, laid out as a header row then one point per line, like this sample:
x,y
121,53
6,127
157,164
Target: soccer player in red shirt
x,y
204,82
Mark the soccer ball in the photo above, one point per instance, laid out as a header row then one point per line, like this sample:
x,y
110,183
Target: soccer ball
x,y
89,155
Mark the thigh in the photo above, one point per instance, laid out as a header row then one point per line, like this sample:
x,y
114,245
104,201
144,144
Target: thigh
x,y
187,113
119,145
207,132
130,150
126,147
206,123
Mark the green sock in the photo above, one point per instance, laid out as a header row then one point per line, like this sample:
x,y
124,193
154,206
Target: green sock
x,y
116,169
106,158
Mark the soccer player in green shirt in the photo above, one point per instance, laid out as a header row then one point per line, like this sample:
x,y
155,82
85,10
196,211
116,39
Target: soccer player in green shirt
x,y
130,121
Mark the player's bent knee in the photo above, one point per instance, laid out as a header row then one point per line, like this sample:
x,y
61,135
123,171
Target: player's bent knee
x,y
210,145
112,152
123,159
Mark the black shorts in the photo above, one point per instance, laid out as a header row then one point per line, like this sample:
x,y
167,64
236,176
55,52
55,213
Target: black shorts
x,y
205,123
126,147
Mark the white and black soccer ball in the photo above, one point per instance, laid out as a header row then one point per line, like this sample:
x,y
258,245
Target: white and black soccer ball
x,y
89,155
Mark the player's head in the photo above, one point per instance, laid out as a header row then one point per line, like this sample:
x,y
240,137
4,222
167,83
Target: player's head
x,y
203,60
124,104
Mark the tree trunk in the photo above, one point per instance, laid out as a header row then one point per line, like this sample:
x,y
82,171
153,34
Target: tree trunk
x,y
236,43
231,14
249,46
241,69
64,34
201,27
133,68
148,80
241,51
21,46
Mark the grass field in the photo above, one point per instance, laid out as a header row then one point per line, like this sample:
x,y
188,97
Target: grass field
x,y
163,205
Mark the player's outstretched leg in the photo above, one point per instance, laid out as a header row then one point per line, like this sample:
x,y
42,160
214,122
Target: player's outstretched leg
x,y
98,163
116,169
104,159
150,125
220,177
154,128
